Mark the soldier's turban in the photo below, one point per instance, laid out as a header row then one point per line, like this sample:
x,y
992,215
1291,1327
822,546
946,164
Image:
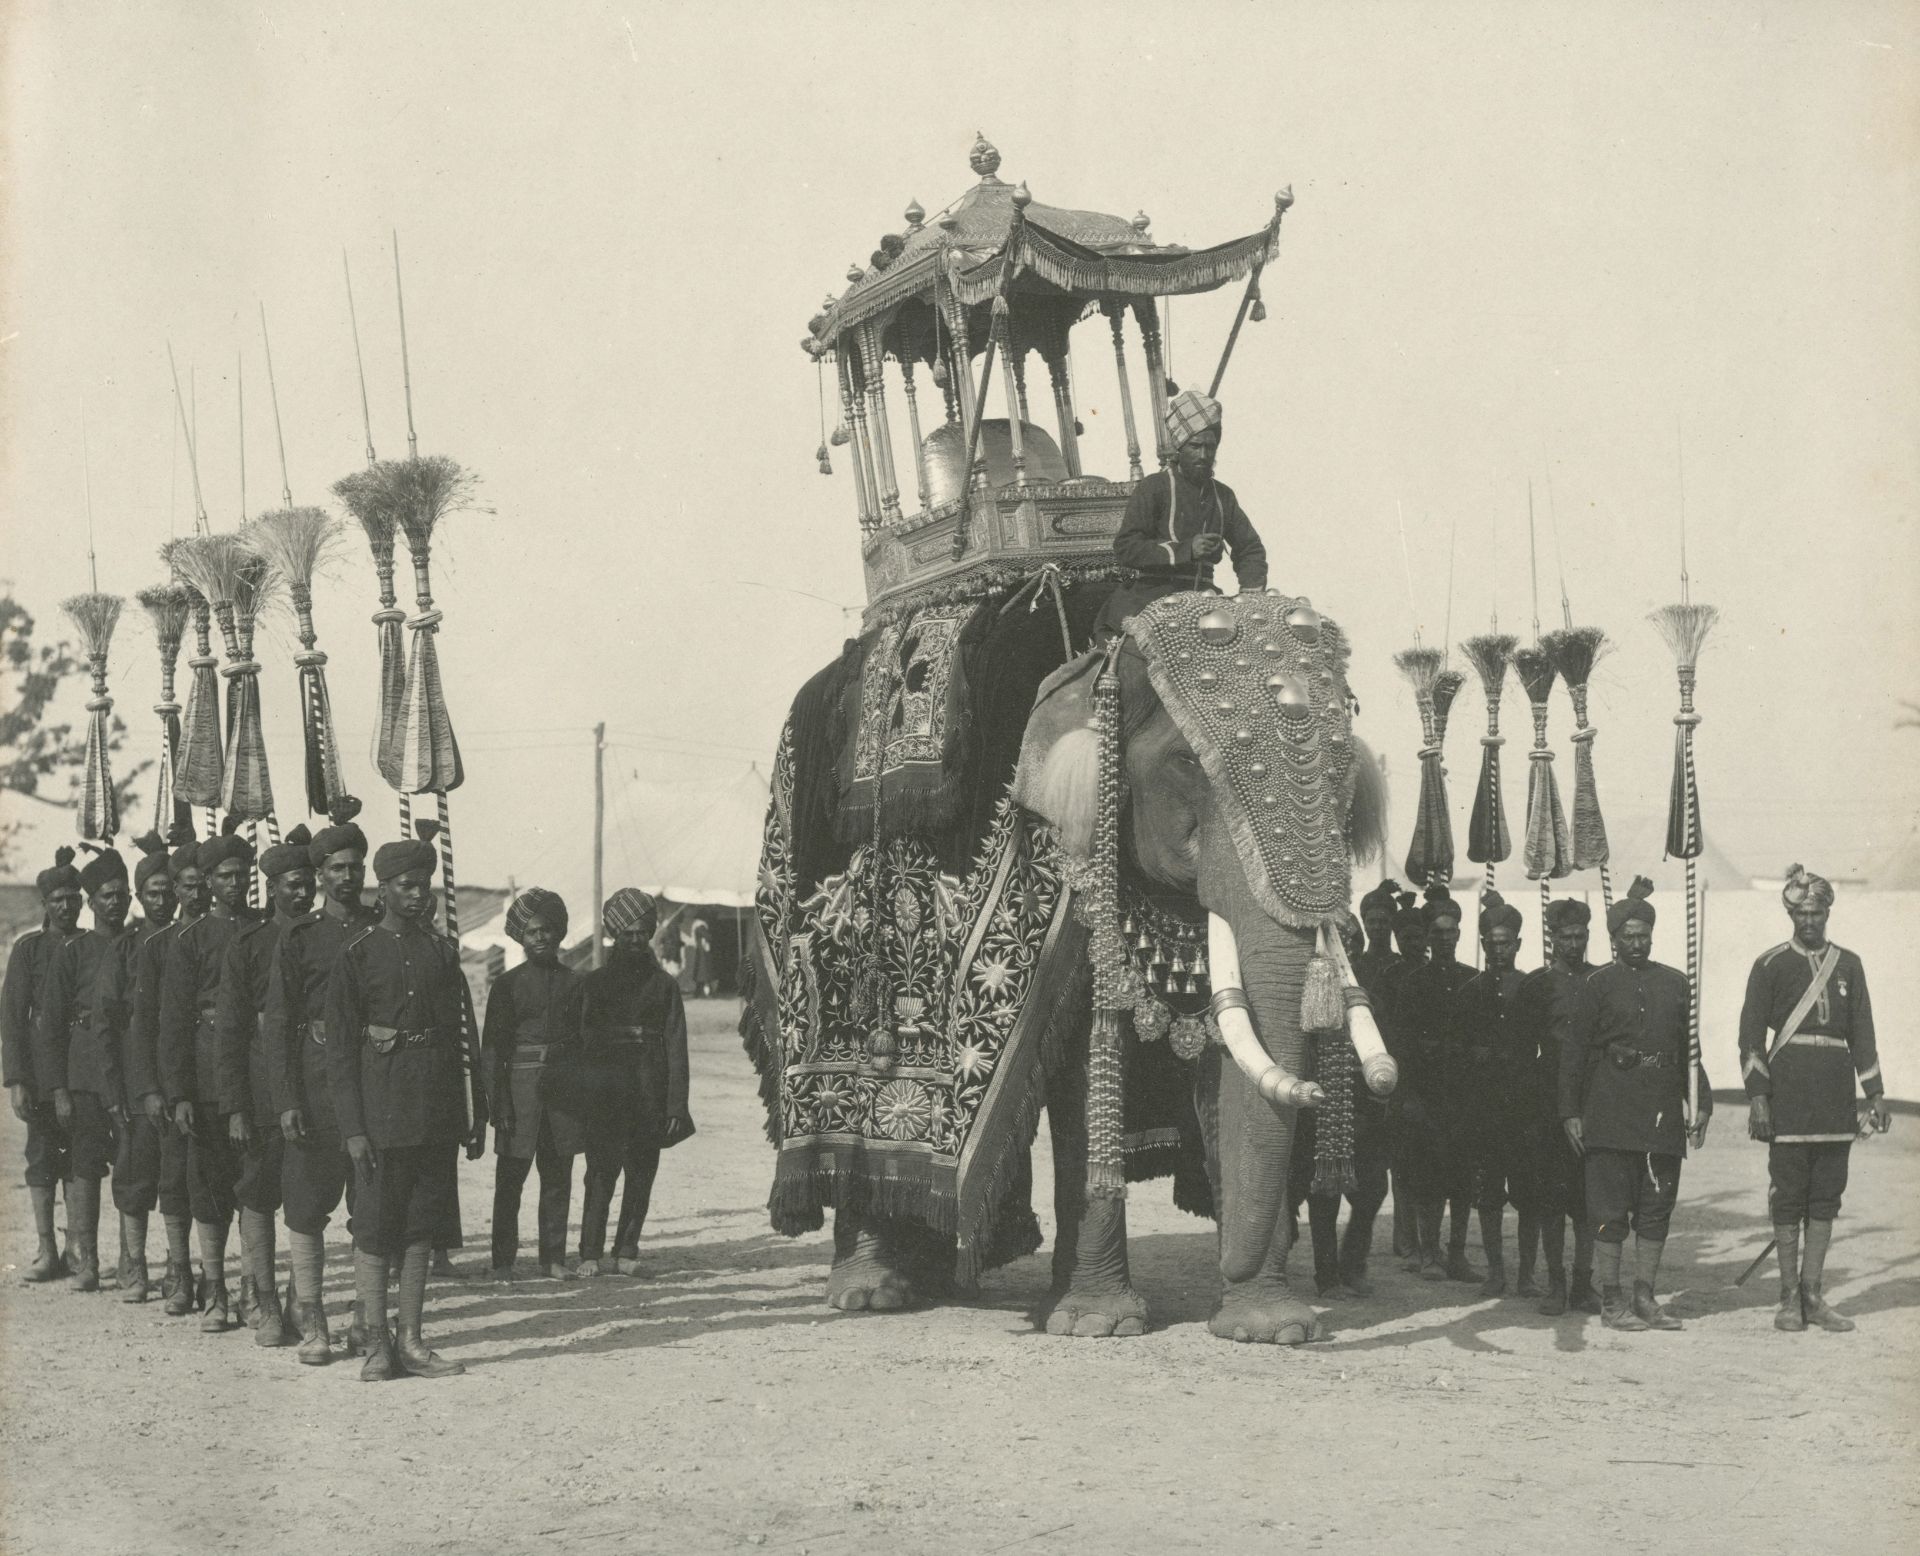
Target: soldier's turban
x,y
629,909
1189,414
1406,912
410,853
536,902
1439,905
1383,898
58,876
290,853
215,851
1806,890
1496,912
186,852
153,859
105,865
335,839
1632,906
1565,911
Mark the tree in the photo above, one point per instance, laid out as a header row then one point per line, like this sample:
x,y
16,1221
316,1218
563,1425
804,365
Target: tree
x,y
33,750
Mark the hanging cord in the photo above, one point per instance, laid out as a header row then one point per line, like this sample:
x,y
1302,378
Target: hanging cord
x,y
1046,581
820,394
451,898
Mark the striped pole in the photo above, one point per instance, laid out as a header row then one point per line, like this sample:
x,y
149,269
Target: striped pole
x,y
452,908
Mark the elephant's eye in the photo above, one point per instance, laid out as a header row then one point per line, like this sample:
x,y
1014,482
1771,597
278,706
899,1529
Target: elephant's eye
x,y
1187,757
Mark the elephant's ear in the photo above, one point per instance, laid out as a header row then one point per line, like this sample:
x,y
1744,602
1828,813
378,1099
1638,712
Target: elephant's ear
x,y
1058,778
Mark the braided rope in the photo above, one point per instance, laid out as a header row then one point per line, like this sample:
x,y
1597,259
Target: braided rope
x,y
452,904
1693,989
1546,935
1106,1163
1606,888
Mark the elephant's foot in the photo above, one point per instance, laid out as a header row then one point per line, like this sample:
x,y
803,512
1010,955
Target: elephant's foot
x,y
1264,1312
865,1277
1097,1313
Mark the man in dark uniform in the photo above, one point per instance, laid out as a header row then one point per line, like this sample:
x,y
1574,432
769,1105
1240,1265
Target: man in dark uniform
x,y
1623,1104
1180,521
1806,1034
1388,967
47,1111
1377,910
314,1171
190,1069
531,1025
1418,1036
1492,1073
70,1055
253,1126
136,1163
405,1096
144,1077
634,1047
1547,999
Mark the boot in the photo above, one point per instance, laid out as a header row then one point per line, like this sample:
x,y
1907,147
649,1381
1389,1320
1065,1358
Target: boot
x,y
259,1291
290,1309
1354,1249
271,1330
1431,1267
443,1265
123,1266
1457,1266
1813,1281
370,1281
216,1317
177,1231
1525,1285
1790,1317
316,1345
246,1309
1492,1237
1554,1303
410,1350
1581,1296
83,1231
179,1288
47,1264
133,1238
1647,1253
1616,1311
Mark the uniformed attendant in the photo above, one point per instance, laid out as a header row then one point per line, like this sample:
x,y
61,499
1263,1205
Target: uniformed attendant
x,y
70,1055
314,1170
136,1163
1491,1065
405,1096
1806,1034
1417,1035
144,1077
532,1016
190,1069
1623,1104
45,1109
1377,910
253,1125
1409,930
1547,999
634,1048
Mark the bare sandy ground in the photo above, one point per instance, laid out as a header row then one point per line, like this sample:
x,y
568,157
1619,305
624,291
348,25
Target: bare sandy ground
x,y
719,1406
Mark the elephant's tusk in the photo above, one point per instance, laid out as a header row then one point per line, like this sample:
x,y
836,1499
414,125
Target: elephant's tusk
x,y
1376,1064
1235,1017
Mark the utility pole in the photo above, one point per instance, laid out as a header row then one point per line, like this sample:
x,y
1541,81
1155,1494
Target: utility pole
x,y
599,842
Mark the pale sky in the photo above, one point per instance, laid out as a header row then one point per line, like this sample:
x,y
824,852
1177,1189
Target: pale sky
x,y
1546,241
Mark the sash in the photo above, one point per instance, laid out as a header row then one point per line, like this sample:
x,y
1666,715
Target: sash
x,y
1790,1028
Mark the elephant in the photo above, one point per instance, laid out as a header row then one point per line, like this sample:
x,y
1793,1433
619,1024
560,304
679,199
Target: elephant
x,y
925,966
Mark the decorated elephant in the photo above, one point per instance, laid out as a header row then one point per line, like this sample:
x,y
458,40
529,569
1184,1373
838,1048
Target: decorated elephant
x,y
997,876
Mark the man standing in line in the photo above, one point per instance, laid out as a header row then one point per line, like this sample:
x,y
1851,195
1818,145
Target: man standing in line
x,y
254,1125
315,1172
145,1077
1623,1105
1408,928
71,1056
397,1009
190,1058
1491,1061
1418,1036
1806,1033
47,1111
136,1163
1547,999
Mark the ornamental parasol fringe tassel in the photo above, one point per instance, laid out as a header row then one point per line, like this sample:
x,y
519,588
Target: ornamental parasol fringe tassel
x,y
95,616
423,491
1112,992
296,541
1488,841
1685,629
1575,652
247,792
1430,853
369,498
199,755
1546,850
169,607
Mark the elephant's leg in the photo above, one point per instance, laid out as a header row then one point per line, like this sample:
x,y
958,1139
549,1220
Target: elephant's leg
x,y
1093,1295
867,1274
1255,1147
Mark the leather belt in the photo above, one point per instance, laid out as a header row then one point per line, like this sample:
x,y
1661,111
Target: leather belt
x,y
616,1035
385,1040
529,1056
1626,1058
